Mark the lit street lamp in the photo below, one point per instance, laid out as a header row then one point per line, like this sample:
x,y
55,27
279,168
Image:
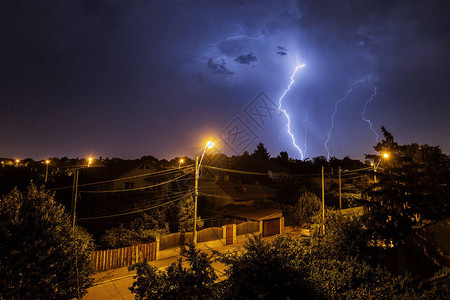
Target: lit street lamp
x,y
89,161
46,170
375,166
181,161
17,162
209,145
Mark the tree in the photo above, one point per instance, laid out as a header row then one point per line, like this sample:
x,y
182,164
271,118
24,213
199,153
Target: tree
x,y
186,215
40,256
266,271
414,184
261,153
307,206
345,237
176,282
283,158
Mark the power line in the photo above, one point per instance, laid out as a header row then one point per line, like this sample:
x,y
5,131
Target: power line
x,y
139,188
126,178
132,212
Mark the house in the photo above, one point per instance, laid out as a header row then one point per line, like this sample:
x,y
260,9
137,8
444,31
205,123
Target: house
x,y
124,186
223,192
272,220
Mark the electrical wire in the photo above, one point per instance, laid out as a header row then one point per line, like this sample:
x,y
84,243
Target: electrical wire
x,y
133,212
126,178
139,188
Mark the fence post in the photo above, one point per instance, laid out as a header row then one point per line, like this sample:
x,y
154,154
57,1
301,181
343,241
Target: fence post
x,y
224,234
157,255
281,225
234,233
261,228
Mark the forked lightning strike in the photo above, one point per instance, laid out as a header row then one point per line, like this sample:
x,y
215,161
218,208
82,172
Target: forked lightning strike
x,y
364,112
299,66
334,114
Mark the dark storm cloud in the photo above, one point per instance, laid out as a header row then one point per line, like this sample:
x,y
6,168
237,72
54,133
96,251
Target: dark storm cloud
x,y
74,70
218,68
246,59
282,50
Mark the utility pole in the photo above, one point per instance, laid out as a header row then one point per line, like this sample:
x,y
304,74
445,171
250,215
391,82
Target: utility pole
x,y
323,199
195,199
74,198
46,170
340,189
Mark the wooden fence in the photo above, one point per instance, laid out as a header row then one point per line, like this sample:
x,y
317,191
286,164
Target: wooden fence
x,y
209,234
247,227
104,260
175,240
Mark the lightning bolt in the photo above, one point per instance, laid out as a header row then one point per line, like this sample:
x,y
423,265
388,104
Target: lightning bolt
x,y
306,129
237,37
299,66
244,35
350,89
364,112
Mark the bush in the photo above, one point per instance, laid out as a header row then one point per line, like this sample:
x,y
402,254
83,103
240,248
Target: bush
x,y
194,282
40,256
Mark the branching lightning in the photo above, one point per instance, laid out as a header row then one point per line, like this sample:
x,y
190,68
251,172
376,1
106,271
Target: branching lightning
x,y
306,130
238,37
334,114
299,66
364,112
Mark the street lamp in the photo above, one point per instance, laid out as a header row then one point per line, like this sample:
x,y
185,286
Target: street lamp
x,y
17,162
375,166
208,145
89,161
46,170
181,161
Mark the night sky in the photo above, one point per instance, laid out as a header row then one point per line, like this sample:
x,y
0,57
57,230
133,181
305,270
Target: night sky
x,y
131,78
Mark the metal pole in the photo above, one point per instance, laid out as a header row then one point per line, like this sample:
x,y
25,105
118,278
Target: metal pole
x,y
340,189
74,198
195,198
46,173
323,200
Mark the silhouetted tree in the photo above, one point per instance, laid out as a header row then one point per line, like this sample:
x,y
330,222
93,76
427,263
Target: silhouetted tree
x,y
413,183
261,152
40,256
176,282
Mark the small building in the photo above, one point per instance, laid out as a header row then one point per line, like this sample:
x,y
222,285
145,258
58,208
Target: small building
x,y
272,220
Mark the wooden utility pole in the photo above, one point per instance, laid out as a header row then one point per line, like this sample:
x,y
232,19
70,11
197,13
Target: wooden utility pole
x,y
323,199
73,207
195,199
340,189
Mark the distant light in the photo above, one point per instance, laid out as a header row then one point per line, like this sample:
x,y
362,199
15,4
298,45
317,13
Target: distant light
x,y
17,160
386,155
181,160
47,161
210,144
371,164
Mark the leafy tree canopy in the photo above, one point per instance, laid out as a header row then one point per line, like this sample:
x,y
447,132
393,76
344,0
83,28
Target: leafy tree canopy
x,y
176,282
40,256
412,183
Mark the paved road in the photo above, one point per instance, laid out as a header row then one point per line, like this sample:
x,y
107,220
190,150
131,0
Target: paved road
x,y
115,284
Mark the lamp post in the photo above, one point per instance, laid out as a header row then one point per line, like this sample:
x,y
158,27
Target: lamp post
x,y
209,145
375,166
89,161
46,170
181,161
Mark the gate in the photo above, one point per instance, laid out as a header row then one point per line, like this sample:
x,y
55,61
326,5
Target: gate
x,y
229,240
271,227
